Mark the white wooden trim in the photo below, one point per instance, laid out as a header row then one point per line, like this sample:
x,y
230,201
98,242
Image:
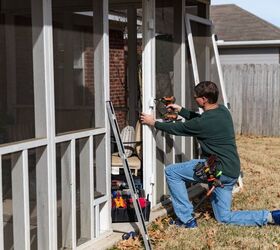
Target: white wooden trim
x,y
106,211
192,50
20,146
220,71
1,208
86,188
103,152
165,189
91,167
20,192
148,86
100,67
199,19
101,200
79,134
68,195
43,71
97,221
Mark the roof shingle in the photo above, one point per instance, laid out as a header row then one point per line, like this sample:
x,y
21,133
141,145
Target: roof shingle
x,y
232,23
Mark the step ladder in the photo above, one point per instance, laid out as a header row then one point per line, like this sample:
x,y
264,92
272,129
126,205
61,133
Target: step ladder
x,y
128,175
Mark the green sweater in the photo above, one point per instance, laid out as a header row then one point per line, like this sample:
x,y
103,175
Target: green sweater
x,y
214,132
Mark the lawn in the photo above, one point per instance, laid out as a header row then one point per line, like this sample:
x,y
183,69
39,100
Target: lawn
x,y
260,163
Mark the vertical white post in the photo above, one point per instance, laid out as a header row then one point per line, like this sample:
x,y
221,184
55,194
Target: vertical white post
x,y
20,192
44,122
97,220
101,76
1,208
86,188
68,196
148,86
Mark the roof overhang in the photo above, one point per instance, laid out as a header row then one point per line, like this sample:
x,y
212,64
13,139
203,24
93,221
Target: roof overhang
x,y
204,1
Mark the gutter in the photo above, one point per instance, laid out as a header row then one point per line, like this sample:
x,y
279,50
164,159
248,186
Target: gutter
x,y
260,43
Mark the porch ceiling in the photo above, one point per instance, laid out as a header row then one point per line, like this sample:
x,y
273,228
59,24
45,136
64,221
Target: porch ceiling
x,y
122,4
86,5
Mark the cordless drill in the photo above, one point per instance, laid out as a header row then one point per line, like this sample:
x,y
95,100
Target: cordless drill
x,y
170,114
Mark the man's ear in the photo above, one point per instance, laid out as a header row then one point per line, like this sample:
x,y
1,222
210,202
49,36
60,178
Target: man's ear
x,y
205,100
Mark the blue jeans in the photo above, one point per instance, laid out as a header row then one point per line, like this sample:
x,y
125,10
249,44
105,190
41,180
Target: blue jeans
x,y
178,174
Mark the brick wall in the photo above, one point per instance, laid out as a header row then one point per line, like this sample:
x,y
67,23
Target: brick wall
x,y
118,86
117,74
88,69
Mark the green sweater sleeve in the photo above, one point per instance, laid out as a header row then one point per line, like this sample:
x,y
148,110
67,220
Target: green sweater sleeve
x,y
188,128
188,114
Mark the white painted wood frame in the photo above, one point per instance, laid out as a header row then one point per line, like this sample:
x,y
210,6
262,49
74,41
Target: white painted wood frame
x,y
102,90
23,145
68,194
20,194
79,134
161,159
220,71
86,187
148,88
43,74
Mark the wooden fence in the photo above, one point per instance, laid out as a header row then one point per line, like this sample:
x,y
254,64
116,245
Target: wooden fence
x,y
254,94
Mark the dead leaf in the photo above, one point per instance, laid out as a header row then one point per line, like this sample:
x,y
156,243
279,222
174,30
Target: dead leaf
x,y
275,244
207,216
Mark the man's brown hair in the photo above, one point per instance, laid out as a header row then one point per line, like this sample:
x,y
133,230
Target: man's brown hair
x,y
208,90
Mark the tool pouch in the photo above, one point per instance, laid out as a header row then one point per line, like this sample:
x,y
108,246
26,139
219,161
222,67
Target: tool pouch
x,y
207,171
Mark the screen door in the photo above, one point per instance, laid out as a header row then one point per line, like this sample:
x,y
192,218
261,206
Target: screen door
x,y
204,54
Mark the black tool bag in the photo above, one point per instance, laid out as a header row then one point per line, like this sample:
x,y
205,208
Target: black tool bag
x,y
207,170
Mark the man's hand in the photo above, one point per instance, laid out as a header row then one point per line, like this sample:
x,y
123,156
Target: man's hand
x,y
175,107
147,119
